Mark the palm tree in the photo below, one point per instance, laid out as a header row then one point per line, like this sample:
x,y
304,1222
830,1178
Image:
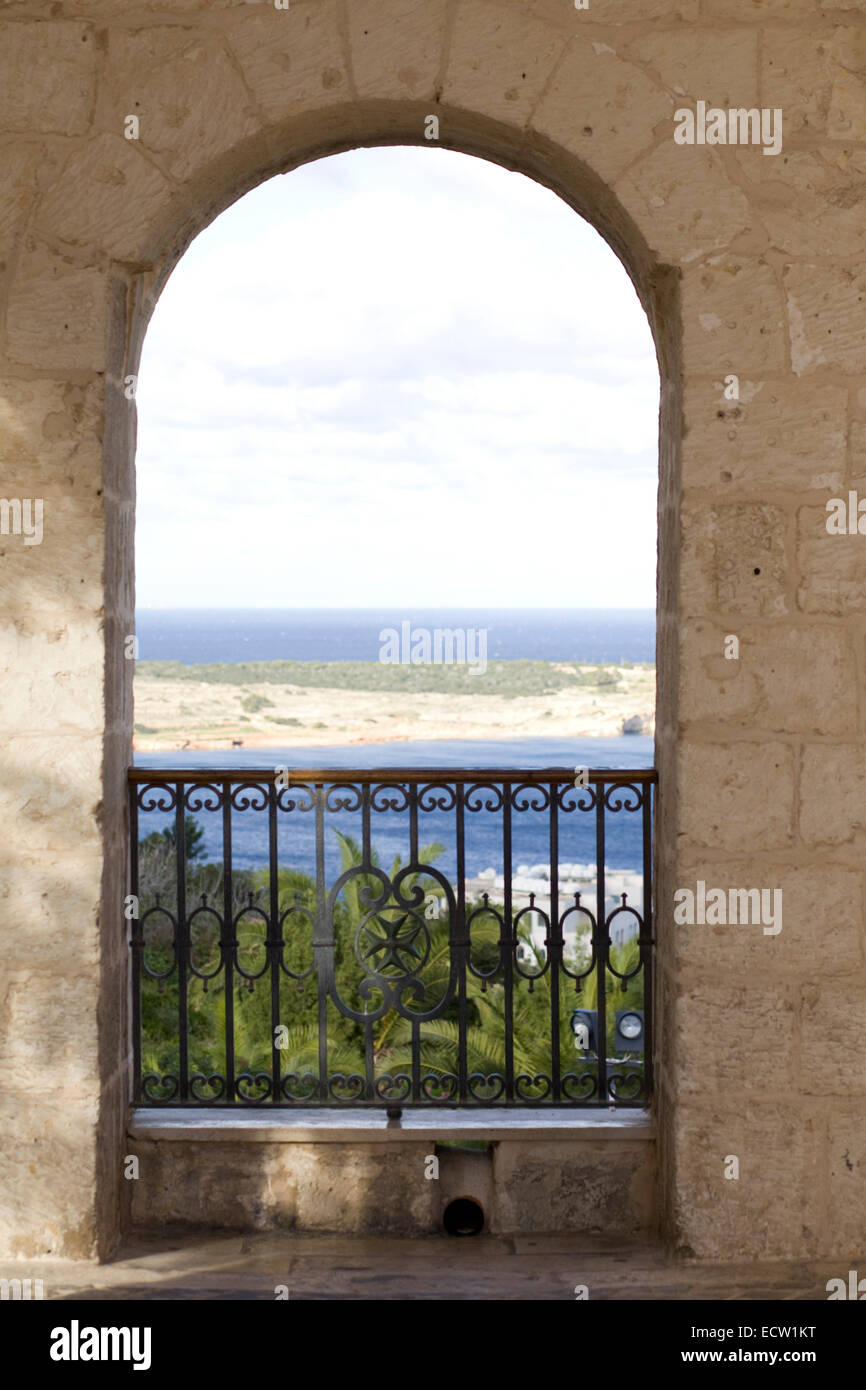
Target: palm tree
x,y
532,1052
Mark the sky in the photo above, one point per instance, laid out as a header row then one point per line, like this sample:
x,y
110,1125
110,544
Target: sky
x,y
397,376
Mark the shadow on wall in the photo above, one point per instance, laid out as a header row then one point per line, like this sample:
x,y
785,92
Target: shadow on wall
x,y
396,1187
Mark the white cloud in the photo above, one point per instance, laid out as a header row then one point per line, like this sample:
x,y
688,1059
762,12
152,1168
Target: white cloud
x,y
398,376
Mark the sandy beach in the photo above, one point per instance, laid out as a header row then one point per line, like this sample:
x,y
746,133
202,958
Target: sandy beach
x,y
177,714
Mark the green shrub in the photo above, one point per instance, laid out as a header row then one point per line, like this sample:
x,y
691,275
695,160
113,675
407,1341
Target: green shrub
x,y
253,703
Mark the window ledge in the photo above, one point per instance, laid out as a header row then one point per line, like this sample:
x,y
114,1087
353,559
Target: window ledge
x,y
305,1126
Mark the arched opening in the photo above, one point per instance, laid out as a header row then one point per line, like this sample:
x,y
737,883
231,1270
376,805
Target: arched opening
x,y
656,288
491,525
398,438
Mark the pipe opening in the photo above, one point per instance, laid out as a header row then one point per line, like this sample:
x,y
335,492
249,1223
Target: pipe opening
x,y
463,1217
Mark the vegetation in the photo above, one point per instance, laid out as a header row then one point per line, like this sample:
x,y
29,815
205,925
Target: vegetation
x,y
166,840
298,1001
508,678
253,703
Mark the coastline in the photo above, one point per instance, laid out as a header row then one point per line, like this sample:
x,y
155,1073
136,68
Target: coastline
x,y
179,713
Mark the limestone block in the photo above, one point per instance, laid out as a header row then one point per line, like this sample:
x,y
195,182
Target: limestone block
x,y
681,196
108,191
826,307
159,9
47,1188
773,1209
821,921
48,1024
46,903
370,1188
846,1223
572,1187
52,675
833,795
57,314
397,46
786,680
810,200
620,12
50,437
63,573
291,59
50,77
715,688
734,1044
734,559
834,1016
602,108
19,165
191,103
797,75
733,317
50,794
363,1189
759,11
779,434
716,65
736,796
846,118
499,60
832,568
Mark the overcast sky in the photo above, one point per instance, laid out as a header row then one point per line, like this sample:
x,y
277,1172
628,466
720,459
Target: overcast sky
x,y
398,377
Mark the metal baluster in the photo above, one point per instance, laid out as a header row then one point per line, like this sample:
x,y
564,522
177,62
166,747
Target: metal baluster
x,y
274,940
183,942
229,943
646,942
554,945
601,949
509,940
136,944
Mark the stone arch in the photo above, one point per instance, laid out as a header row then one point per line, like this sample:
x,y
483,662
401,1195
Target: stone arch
x,y
746,265
401,123
224,104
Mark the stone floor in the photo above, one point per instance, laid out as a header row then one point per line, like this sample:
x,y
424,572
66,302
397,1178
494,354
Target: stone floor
x,y
478,1268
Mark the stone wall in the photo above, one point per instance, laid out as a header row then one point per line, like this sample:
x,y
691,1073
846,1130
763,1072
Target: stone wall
x,y
311,1172
747,264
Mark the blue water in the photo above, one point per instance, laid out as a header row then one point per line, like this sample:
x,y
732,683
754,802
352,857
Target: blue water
x,y
191,636
484,841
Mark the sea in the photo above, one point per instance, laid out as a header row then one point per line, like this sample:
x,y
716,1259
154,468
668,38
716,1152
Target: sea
x,y
192,636
390,834
200,635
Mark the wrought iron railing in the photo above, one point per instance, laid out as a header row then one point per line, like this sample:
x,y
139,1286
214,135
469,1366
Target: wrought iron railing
x,y
330,938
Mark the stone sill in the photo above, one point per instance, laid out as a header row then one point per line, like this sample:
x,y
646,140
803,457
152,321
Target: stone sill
x,y
368,1126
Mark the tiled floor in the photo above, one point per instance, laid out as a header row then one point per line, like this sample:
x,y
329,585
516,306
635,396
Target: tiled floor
x,y
479,1268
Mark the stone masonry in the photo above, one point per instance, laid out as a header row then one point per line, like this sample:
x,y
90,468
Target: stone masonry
x,y
750,265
